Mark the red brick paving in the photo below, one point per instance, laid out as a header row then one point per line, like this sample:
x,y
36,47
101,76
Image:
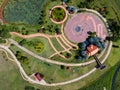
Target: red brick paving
x,y
87,22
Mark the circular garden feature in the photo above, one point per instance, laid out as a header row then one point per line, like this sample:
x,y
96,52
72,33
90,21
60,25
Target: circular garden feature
x,y
58,14
78,27
39,46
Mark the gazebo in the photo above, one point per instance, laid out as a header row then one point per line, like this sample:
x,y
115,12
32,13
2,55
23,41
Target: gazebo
x,y
92,50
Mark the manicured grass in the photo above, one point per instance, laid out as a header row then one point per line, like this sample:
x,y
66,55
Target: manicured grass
x,y
46,52
51,71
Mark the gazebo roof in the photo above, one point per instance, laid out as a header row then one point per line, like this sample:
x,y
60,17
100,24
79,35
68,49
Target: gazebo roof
x,y
92,50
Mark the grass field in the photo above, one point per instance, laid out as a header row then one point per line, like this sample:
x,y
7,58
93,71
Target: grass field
x,y
104,81
117,81
10,77
58,74
47,47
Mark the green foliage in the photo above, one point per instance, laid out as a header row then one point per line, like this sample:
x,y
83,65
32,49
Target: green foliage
x,y
22,42
39,46
29,88
4,32
2,40
58,14
21,57
115,29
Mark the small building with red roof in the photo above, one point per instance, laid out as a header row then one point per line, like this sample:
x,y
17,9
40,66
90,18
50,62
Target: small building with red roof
x,y
92,50
37,75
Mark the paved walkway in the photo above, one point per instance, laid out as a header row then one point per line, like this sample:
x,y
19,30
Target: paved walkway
x,y
65,39
62,45
78,26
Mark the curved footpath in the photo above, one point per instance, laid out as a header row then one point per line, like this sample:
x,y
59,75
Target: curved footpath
x,y
53,84
52,61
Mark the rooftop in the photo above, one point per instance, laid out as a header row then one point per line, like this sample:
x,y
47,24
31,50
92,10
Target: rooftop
x,y
92,50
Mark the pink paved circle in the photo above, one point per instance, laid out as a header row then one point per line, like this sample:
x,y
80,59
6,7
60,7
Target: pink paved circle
x,y
77,27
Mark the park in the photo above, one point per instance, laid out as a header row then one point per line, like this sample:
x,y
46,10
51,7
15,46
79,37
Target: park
x,y
59,45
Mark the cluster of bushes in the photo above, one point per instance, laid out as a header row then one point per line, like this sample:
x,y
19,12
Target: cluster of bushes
x,y
85,4
115,29
58,14
5,29
21,57
82,54
38,46
51,29
30,88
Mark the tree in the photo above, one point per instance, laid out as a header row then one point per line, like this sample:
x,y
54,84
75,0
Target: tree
x,y
62,67
68,55
22,42
115,29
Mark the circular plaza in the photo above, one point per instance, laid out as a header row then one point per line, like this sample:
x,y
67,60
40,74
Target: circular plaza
x,y
79,25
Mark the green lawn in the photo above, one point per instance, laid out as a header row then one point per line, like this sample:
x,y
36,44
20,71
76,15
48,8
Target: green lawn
x,y
58,74
46,52
117,81
104,81
10,77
